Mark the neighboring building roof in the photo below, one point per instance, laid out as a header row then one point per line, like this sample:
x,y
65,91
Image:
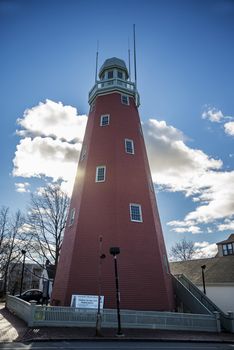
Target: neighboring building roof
x,y
218,270
229,240
113,62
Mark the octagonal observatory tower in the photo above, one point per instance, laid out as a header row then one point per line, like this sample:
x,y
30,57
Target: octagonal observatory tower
x,y
113,197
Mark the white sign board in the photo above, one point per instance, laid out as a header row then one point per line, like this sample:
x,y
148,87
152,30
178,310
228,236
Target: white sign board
x,y
87,301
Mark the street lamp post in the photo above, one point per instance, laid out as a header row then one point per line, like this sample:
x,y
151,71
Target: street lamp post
x,y
22,273
203,278
115,251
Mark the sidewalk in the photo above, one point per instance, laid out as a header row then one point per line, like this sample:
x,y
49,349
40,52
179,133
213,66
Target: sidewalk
x,y
12,329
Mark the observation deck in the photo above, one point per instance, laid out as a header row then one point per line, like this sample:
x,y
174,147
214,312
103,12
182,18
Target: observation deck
x,y
114,78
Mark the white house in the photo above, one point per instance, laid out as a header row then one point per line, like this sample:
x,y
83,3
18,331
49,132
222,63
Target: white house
x,y
31,277
47,279
218,274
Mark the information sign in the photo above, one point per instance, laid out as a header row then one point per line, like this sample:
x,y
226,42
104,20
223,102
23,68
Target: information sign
x,y
86,301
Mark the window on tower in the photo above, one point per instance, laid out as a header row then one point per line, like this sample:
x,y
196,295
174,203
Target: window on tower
x,y
100,173
120,74
72,216
125,99
129,146
105,120
110,74
135,212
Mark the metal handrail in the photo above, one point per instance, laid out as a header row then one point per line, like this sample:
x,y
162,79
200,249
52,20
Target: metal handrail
x,y
111,83
224,318
199,294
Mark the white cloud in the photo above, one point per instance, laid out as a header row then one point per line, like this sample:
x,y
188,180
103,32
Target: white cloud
x,y
184,226
229,128
54,120
218,195
46,157
173,164
22,187
213,114
192,229
216,201
52,140
180,223
177,167
217,116
204,250
227,225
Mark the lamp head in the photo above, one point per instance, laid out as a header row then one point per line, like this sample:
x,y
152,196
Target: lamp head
x,y
114,251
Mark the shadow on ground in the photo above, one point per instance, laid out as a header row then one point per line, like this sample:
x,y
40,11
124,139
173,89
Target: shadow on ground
x,y
11,327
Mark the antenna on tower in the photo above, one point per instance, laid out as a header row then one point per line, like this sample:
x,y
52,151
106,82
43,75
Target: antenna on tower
x,y
96,62
134,41
129,61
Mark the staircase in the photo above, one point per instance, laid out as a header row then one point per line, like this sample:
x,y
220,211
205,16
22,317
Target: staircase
x,y
192,299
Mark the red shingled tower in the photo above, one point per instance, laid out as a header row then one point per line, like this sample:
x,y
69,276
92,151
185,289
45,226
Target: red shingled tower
x,y
113,196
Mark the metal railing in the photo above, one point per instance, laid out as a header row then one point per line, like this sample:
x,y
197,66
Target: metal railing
x,y
107,85
197,297
189,299
47,316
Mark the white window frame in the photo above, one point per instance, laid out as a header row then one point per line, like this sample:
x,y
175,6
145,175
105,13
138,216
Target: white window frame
x,y
122,101
227,249
72,216
131,213
104,116
97,173
132,146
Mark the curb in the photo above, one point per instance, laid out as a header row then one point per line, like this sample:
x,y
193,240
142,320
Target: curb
x,y
127,339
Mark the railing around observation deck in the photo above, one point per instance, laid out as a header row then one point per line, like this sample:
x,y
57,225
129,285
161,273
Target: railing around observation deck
x,y
107,85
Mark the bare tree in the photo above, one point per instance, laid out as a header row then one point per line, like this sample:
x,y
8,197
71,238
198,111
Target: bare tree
x,y
4,213
4,238
9,241
183,250
45,224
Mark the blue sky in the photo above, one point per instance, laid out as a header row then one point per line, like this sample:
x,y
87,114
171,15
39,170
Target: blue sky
x,y
185,67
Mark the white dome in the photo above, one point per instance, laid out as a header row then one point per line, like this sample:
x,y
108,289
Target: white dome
x,y
113,62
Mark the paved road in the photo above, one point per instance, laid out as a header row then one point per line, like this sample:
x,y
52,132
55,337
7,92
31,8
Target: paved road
x,y
114,345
